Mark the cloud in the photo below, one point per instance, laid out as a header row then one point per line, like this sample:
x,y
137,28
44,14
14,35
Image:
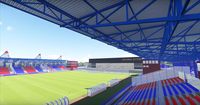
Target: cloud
x,y
9,28
1,23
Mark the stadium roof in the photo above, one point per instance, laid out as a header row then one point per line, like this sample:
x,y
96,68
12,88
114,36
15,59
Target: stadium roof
x,y
31,60
152,29
5,57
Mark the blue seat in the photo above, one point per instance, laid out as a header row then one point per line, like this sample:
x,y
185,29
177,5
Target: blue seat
x,y
182,91
170,92
174,90
154,95
39,69
151,93
122,97
18,70
192,87
164,91
145,97
56,68
130,97
186,88
142,94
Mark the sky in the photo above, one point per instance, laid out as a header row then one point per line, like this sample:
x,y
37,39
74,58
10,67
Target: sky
x,y
25,36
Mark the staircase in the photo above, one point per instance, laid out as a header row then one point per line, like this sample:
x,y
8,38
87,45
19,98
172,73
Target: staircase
x,y
172,91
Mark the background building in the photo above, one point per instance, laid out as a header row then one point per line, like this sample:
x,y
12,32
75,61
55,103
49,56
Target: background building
x,y
126,64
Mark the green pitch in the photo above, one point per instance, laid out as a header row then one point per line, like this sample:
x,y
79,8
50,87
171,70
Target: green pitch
x,y
37,89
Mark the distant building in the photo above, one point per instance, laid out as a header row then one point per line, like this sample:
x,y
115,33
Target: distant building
x,y
116,64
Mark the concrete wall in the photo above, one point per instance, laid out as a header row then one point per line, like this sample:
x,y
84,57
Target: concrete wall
x,y
198,65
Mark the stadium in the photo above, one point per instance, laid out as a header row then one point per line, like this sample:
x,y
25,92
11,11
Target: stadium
x,y
163,34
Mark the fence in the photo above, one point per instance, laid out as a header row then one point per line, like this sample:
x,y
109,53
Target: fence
x,y
61,101
192,80
96,89
176,71
113,82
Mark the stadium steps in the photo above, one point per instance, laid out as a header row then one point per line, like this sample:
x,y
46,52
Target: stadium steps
x,y
139,95
124,96
4,71
30,69
178,91
12,70
173,91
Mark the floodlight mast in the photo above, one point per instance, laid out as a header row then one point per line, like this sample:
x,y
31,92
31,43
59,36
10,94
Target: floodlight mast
x,y
38,56
5,55
60,57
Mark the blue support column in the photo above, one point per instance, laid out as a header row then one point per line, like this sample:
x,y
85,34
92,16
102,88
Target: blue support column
x,y
194,68
4,64
13,64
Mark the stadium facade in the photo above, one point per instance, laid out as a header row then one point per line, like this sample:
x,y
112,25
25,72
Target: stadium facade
x,y
126,64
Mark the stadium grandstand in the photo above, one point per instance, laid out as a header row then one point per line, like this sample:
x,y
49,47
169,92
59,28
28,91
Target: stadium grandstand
x,y
15,66
164,34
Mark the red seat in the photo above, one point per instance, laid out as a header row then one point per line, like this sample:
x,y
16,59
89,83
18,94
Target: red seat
x,y
166,101
62,67
174,101
148,102
4,70
154,102
197,98
181,100
190,100
29,69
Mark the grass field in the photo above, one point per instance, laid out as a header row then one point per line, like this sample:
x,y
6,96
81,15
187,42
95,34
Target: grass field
x,y
37,89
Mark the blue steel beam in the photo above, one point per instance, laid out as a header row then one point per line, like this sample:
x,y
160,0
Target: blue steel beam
x,y
68,15
99,11
106,17
135,16
90,5
143,41
141,10
189,17
137,30
175,9
184,32
192,6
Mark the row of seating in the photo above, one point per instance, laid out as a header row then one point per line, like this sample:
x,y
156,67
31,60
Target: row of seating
x,y
4,70
144,94
28,69
56,67
173,91
18,70
177,91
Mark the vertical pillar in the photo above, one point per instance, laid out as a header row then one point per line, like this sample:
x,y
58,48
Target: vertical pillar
x,y
4,64
13,64
194,68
